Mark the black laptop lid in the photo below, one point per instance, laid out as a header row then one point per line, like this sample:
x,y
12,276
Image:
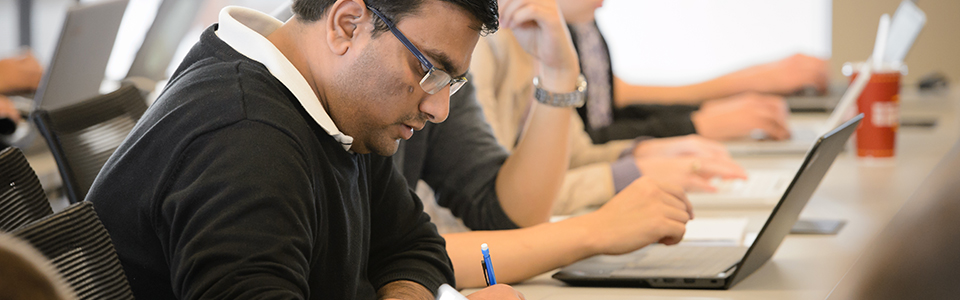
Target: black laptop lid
x,y
785,214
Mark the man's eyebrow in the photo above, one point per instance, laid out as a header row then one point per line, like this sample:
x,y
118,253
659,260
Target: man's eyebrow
x,y
445,63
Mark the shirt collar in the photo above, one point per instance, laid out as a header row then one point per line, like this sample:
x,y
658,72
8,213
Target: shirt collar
x,y
245,30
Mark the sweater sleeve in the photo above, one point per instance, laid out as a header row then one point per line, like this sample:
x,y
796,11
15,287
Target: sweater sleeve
x,y
238,233
405,245
645,120
584,152
462,163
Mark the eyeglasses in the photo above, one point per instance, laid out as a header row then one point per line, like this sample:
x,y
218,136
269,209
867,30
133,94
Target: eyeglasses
x,y
435,79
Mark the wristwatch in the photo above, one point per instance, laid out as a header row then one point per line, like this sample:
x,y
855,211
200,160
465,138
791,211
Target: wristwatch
x,y
573,99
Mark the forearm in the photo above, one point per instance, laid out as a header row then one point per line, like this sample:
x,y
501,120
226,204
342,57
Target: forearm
x,y
521,253
531,177
628,94
403,289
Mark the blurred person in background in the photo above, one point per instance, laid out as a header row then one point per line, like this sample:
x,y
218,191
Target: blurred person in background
x,y
18,75
736,104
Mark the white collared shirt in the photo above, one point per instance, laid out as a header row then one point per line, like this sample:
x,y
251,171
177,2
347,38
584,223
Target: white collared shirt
x,y
246,30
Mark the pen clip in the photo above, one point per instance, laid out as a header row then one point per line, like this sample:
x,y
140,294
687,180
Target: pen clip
x,y
483,266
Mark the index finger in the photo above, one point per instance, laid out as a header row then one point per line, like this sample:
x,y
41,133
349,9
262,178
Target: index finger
x,y
678,193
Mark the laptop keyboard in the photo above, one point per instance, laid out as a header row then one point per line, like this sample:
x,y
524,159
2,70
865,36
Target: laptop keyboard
x,y
681,261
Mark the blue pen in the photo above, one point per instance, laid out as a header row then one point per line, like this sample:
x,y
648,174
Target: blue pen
x,y
487,265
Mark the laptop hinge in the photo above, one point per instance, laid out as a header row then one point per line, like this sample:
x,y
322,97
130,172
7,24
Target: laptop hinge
x,y
729,270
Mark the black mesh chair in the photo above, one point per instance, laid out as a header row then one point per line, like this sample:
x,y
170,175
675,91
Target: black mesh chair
x,y
21,197
84,135
79,247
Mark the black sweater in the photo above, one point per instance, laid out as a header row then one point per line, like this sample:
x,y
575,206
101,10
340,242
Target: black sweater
x,y
227,189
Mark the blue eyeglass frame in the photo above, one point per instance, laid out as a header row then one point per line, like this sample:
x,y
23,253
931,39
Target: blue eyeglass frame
x,y
454,83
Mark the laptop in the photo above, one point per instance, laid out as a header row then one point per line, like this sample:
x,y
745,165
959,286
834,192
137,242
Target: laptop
x,y
80,60
714,267
804,131
160,44
77,69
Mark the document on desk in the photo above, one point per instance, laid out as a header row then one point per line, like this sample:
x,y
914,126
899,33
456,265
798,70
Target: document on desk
x,y
715,231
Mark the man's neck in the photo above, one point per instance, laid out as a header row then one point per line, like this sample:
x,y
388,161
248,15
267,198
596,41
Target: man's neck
x,y
288,40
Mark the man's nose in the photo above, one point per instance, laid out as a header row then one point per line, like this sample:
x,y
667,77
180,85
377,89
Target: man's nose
x,y
437,106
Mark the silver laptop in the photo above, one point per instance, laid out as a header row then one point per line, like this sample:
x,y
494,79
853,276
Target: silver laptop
x,y
160,44
80,60
77,69
717,267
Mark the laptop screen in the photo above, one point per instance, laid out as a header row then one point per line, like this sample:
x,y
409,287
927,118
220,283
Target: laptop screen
x,y
77,69
786,213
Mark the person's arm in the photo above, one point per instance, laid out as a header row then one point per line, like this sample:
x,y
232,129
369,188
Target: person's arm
x,y
645,120
642,214
8,110
741,115
404,246
529,180
780,77
214,216
460,159
19,74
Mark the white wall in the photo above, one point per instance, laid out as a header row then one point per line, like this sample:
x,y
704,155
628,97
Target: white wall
x,y
676,42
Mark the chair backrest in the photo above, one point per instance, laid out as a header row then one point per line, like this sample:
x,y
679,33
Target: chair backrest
x,y
21,197
80,248
84,135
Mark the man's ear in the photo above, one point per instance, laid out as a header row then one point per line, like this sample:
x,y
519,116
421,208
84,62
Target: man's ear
x,y
345,21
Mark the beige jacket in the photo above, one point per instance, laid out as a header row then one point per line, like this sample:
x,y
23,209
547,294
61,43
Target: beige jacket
x,y
503,75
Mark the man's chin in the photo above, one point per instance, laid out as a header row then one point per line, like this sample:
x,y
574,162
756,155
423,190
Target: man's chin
x,y
387,148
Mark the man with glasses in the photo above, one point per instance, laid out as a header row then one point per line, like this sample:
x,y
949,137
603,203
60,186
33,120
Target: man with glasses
x,y
263,169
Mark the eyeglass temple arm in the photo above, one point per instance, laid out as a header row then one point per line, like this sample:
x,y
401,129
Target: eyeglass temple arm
x,y
403,39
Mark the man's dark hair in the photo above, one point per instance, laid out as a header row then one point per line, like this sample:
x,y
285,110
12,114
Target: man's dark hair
x,y
484,10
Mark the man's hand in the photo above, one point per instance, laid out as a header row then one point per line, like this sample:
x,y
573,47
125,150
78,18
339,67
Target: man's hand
x,y
738,116
19,74
691,145
691,173
404,290
645,212
496,292
789,75
542,32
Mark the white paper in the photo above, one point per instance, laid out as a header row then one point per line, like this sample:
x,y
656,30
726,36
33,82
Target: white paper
x,y
726,231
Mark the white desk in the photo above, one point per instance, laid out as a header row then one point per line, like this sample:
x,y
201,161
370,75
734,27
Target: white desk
x,y
809,267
